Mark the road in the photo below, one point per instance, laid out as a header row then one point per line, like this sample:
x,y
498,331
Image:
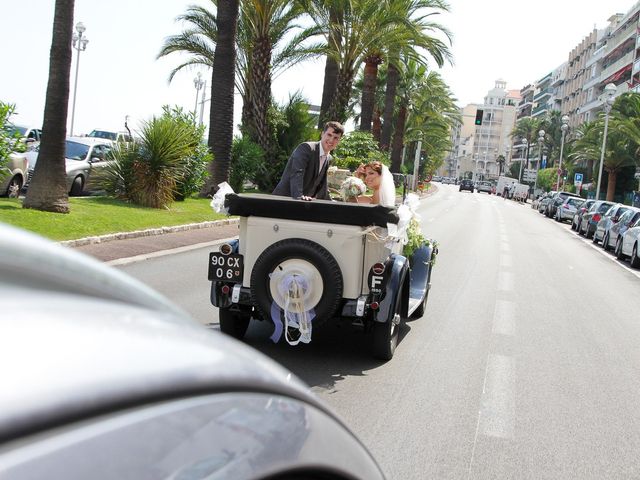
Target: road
x,y
525,365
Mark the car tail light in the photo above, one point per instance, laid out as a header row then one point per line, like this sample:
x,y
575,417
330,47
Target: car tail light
x,y
225,289
378,268
374,305
596,217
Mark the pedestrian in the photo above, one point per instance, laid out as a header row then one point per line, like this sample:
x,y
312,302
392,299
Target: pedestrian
x,y
305,176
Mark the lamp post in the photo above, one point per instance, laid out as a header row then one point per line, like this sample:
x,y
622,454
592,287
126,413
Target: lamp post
x,y
540,142
610,90
80,44
416,163
564,128
522,160
198,83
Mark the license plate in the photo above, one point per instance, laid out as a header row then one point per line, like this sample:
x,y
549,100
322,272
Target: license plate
x,y
227,268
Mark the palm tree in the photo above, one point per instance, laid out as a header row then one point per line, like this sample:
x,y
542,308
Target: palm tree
x,y
48,190
222,82
406,36
528,128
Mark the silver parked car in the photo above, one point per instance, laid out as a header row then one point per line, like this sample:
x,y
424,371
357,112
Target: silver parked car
x,y
628,218
610,218
14,175
102,378
83,156
567,209
628,245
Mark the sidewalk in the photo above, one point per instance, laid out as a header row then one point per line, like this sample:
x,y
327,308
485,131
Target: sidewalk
x,y
111,248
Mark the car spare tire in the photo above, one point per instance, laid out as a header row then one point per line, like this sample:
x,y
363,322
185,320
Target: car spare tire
x,y
297,257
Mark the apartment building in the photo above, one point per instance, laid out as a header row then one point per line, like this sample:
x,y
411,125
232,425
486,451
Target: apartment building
x,y
573,95
493,137
459,162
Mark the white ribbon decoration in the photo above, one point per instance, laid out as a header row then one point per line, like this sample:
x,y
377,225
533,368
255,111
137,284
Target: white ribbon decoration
x,y
217,203
293,288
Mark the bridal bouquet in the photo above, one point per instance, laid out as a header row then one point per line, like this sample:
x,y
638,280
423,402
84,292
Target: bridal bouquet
x,y
352,187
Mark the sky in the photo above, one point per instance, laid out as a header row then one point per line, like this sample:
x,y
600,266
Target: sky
x,y
120,76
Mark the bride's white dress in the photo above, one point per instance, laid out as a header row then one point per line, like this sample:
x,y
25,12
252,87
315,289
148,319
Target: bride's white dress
x,y
387,192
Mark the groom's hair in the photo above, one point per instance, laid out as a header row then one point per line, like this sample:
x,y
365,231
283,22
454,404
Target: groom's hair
x,y
337,127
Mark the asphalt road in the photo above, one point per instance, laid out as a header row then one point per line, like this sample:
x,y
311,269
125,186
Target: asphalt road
x,y
525,365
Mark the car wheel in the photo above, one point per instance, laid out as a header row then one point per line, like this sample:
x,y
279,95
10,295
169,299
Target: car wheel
x,y
303,258
618,251
635,261
77,186
385,335
605,242
234,324
14,187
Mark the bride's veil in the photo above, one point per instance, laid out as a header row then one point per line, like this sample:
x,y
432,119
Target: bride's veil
x,y
387,193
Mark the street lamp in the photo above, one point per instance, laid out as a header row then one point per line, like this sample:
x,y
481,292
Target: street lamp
x,y
416,162
198,83
540,142
80,44
610,90
564,128
525,143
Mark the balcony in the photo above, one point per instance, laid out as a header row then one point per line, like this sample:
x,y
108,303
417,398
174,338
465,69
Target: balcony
x,y
592,82
597,55
539,110
543,93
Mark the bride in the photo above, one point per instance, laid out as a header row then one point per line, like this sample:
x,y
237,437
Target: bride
x,y
378,178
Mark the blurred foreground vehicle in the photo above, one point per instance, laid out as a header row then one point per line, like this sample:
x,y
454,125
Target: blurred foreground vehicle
x,y
628,218
84,158
103,378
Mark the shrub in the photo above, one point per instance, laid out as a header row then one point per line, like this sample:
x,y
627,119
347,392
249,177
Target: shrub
x,y
8,141
358,147
246,158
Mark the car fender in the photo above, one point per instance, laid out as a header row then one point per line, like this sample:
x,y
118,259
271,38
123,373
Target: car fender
x,y
396,268
420,274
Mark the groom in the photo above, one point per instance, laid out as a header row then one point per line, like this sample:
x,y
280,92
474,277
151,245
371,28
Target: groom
x,y
305,176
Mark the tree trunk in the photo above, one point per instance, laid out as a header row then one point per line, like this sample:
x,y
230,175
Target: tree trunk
x,y
611,184
338,109
590,164
48,187
222,84
260,85
389,105
369,92
376,127
398,139
331,69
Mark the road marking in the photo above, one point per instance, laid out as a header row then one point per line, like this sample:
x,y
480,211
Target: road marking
x,y
497,412
505,281
506,261
504,237
162,253
504,247
503,318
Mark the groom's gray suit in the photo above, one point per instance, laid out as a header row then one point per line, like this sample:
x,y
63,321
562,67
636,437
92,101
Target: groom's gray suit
x,y
302,175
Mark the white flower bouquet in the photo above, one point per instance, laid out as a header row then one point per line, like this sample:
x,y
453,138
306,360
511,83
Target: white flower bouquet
x,y
352,187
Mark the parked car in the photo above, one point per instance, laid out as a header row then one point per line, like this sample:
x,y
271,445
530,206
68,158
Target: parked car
x,y
84,156
591,218
568,208
103,378
486,187
466,185
628,218
557,200
110,135
544,201
581,210
610,218
628,245
30,136
13,175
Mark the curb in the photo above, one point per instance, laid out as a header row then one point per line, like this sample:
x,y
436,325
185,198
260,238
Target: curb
x,y
146,233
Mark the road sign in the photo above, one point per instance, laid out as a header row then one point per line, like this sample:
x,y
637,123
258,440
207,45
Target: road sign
x,y
577,179
529,175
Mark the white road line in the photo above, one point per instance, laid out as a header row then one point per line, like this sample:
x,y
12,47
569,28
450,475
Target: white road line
x,y
503,318
504,247
505,281
506,260
497,413
162,253
504,237
598,249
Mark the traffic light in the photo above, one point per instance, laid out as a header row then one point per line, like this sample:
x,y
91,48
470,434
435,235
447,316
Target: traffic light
x,y
479,115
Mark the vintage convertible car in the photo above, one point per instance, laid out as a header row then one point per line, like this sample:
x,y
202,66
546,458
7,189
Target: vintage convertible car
x,y
300,263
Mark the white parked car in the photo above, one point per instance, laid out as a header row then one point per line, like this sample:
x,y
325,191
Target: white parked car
x,y
110,135
13,175
84,156
628,245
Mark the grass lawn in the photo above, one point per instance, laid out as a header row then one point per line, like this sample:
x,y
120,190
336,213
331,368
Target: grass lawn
x,y
100,215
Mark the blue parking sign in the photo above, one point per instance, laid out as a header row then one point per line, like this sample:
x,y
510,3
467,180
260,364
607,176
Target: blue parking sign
x,y
577,179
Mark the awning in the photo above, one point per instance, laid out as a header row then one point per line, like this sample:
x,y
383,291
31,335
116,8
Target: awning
x,y
618,75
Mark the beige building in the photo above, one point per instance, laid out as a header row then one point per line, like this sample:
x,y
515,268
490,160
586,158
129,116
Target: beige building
x,y
459,162
573,95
